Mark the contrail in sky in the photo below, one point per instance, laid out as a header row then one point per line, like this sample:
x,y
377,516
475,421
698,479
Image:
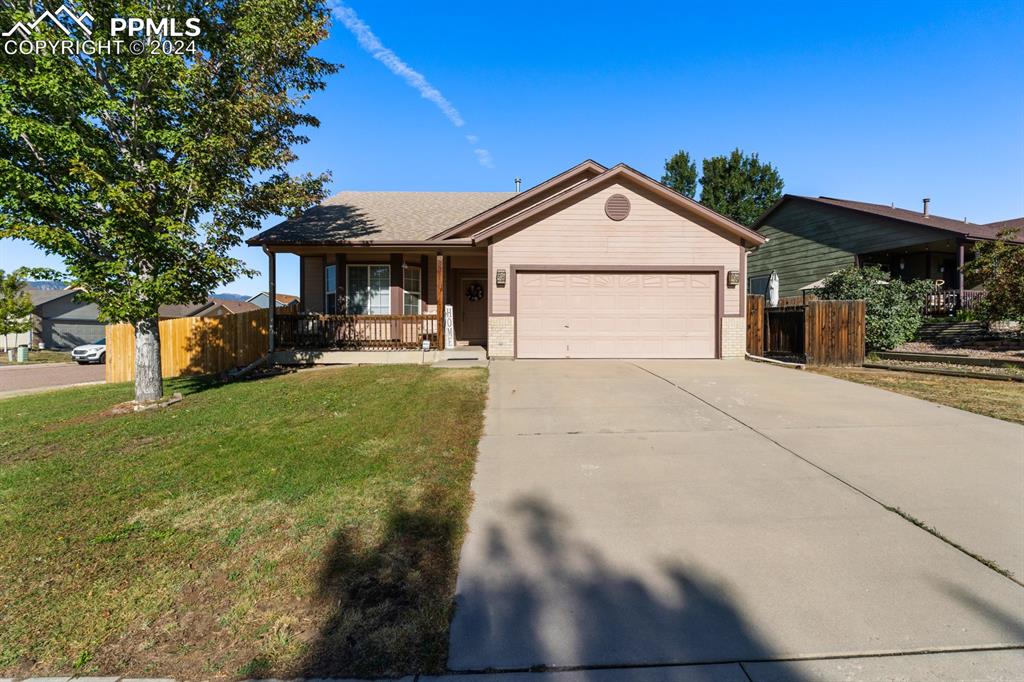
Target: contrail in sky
x,y
372,44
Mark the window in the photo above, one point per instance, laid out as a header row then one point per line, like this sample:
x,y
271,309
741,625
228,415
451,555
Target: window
x,y
758,285
413,291
331,289
369,289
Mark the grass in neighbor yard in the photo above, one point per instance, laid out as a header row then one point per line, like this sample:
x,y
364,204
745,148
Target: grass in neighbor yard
x,y
303,525
39,356
999,399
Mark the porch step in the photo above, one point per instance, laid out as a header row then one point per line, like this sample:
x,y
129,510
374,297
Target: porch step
x,y
463,354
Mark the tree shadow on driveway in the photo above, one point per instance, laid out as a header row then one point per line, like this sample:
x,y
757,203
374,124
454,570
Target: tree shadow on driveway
x,y
545,599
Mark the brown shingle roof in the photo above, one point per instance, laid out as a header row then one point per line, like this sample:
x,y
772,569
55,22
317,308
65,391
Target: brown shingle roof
x,y
380,217
916,217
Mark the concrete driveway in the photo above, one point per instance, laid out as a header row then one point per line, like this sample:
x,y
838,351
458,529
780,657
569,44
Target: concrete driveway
x,y
681,512
19,379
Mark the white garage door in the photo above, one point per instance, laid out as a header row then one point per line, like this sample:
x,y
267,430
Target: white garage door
x,y
615,315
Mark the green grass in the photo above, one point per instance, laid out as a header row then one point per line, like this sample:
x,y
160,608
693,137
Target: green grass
x,y
999,399
304,525
40,356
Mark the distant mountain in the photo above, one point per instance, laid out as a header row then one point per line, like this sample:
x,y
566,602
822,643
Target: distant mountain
x,y
45,285
233,297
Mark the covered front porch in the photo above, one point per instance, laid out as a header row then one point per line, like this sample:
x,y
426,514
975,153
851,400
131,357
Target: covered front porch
x,y
941,262
369,300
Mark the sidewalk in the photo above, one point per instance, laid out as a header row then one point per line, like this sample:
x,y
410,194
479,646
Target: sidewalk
x,y
994,665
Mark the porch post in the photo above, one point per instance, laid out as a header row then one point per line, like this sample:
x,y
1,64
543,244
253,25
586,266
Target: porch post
x,y
960,274
340,277
440,302
397,300
272,307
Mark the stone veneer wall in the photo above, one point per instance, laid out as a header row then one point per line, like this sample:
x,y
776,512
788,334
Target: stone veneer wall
x,y
501,334
734,337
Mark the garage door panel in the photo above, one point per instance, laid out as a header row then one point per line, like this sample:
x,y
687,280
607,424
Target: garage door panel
x,y
625,315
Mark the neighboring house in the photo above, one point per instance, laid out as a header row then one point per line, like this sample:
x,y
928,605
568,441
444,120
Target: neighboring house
x,y
211,307
62,320
809,238
262,299
593,263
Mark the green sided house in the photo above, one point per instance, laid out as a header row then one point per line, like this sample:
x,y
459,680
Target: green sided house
x,y
595,262
809,238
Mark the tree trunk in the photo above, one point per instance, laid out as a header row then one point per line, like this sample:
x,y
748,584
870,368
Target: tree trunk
x,y
149,385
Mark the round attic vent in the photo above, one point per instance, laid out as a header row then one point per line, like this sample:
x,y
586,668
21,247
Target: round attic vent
x,y
617,207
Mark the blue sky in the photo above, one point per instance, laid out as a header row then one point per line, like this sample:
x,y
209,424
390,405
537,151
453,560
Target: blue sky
x,y
882,102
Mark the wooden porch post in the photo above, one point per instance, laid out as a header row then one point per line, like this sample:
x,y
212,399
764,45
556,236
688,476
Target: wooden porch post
x,y
272,307
440,302
340,277
960,274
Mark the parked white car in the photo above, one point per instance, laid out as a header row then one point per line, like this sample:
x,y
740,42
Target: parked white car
x,y
91,353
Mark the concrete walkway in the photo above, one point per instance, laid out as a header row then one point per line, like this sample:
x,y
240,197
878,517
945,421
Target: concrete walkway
x,y
664,513
990,666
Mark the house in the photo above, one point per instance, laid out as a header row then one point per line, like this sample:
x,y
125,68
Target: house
x,y
61,319
595,262
262,300
809,238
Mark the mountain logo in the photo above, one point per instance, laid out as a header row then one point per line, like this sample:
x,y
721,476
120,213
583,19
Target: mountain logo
x,y
25,30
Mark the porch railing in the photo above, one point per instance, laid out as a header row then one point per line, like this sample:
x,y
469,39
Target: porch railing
x,y
355,332
948,301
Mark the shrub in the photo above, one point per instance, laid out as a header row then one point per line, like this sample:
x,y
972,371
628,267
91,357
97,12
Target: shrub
x,y
999,266
893,306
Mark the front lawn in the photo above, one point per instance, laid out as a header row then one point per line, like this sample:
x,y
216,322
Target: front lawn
x,y
39,356
305,525
999,399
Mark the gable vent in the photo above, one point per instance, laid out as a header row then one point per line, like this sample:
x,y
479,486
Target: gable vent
x,y
617,207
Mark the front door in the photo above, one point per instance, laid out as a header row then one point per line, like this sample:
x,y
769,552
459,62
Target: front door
x,y
472,313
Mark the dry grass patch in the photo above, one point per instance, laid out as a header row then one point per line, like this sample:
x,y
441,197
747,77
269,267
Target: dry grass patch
x,y
304,525
999,399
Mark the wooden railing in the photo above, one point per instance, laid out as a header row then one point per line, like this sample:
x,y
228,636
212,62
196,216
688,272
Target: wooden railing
x,y
948,301
355,332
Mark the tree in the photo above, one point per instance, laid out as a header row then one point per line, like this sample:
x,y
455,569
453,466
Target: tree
x,y
893,313
15,305
999,266
143,171
739,186
681,174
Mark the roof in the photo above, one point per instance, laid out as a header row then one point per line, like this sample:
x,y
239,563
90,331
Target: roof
x,y
367,217
282,299
233,305
183,309
391,218
961,227
41,296
1011,224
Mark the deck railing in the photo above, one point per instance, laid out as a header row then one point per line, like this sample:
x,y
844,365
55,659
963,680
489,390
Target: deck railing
x,y
355,332
948,301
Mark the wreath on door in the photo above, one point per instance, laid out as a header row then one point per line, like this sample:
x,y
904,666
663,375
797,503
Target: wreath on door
x,y
475,291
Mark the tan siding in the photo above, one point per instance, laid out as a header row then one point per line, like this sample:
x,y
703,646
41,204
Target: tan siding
x,y
652,235
314,284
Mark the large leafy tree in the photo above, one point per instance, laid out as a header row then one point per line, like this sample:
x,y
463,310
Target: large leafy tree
x,y
142,171
15,305
740,186
999,266
681,174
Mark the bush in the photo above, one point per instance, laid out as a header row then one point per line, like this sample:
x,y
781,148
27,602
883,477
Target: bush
x,y
999,265
893,306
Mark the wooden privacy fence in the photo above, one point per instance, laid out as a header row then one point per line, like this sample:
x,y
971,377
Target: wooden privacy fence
x,y
817,332
192,345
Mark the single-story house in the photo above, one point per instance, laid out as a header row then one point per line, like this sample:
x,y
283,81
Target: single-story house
x,y
809,238
62,320
262,300
595,262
